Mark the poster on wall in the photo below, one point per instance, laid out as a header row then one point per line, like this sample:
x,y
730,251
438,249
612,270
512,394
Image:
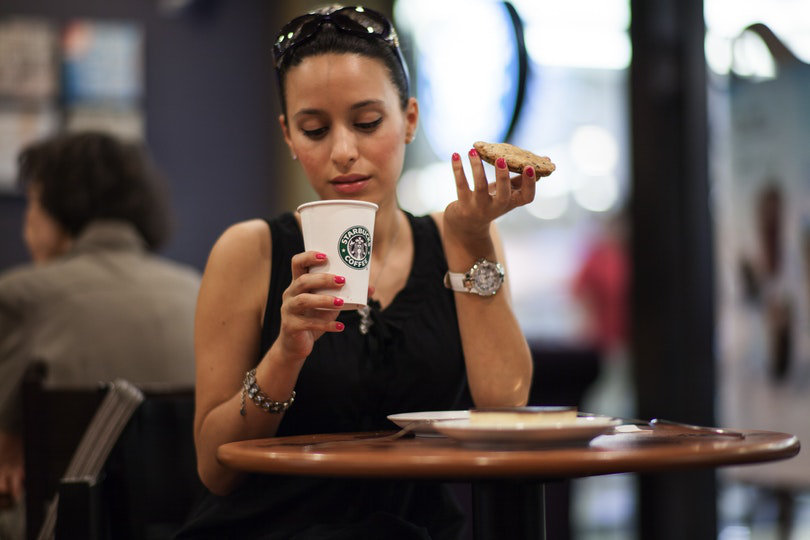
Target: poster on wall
x,y
102,63
28,60
29,68
765,236
101,85
103,77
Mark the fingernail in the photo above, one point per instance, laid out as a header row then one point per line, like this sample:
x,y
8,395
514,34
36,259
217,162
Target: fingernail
x,y
501,163
340,279
530,172
338,301
339,326
456,157
473,152
320,256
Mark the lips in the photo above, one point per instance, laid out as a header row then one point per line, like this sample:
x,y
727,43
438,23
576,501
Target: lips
x,y
351,183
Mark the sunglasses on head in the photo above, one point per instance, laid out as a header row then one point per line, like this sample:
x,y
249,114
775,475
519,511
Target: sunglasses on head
x,y
355,20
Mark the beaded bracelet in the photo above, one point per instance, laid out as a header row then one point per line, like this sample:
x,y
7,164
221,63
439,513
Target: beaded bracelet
x,y
250,388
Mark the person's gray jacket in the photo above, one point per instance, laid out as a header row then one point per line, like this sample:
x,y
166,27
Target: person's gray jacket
x,y
107,309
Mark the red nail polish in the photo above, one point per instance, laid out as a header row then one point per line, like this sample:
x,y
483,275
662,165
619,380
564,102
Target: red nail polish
x,y
338,301
530,172
320,256
339,326
473,152
501,163
340,279
456,157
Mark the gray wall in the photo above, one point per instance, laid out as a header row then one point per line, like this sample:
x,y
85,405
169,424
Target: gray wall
x,y
210,108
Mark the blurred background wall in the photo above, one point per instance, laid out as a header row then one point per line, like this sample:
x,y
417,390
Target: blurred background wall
x,y
209,111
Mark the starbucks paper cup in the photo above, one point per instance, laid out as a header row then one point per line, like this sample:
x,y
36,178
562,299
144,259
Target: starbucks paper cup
x,y
343,230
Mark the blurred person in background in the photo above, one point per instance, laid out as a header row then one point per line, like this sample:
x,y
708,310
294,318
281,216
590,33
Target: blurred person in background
x,y
97,303
274,358
767,286
601,286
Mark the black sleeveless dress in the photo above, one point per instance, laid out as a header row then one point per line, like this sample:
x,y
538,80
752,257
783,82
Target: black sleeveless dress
x,y
410,360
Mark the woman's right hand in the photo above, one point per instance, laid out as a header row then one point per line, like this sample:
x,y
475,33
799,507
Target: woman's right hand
x,y
305,315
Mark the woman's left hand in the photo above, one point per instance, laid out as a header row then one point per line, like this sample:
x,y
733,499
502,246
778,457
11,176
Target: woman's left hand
x,y
471,214
497,357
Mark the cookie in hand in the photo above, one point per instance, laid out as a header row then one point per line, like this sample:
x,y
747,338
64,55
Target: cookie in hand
x,y
516,158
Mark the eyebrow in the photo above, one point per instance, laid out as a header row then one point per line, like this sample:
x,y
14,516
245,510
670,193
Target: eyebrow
x,y
354,107
366,103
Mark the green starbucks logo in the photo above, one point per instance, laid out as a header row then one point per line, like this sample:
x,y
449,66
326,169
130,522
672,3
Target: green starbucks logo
x,y
354,247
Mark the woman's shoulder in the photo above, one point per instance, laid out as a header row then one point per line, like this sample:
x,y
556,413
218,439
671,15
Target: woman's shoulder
x,y
438,219
241,245
245,235
431,221
236,272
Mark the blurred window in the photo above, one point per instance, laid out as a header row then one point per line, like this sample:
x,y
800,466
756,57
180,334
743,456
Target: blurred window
x,y
466,59
727,19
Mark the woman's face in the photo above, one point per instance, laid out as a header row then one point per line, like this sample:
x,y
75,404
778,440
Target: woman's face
x,y
346,126
45,238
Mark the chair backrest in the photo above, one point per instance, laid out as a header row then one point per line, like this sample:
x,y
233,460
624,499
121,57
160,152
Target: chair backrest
x,y
54,421
149,481
562,373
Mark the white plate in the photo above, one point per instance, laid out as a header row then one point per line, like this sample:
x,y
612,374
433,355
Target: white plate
x,y
579,432
426,419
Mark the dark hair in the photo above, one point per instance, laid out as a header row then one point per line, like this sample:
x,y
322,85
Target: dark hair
x,y
329,40
88,176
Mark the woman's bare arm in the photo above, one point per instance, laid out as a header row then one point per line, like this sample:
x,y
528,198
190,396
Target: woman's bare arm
x,y
228,325
499,363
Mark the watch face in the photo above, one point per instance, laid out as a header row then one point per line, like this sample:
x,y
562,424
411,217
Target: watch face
x,y
487,277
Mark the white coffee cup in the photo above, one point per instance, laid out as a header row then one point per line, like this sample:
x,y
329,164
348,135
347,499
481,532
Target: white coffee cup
x,y
343,230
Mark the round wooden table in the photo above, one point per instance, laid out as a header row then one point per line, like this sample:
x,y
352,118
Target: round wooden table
x,y
507,481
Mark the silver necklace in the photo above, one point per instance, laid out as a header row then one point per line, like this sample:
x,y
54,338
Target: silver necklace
x,y
365,311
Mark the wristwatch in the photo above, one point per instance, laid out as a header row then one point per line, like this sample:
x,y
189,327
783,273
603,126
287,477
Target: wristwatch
x,y
484,278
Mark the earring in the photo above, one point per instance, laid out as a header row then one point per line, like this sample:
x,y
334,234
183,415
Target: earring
x,y
294,157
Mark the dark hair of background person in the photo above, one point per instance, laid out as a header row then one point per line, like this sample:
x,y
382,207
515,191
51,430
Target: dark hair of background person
x,y
90,176
330,40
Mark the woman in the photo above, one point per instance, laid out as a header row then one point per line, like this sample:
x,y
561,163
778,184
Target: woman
x,y
347,117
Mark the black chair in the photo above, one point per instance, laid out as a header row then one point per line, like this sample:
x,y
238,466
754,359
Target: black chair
x,y
148,482
563,372
54,421
562,375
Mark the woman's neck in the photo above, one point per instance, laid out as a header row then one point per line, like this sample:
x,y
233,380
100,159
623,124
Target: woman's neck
x,y
387,227
388,235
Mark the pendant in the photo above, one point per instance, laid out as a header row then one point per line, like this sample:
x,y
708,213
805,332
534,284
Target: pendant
x,y
365,319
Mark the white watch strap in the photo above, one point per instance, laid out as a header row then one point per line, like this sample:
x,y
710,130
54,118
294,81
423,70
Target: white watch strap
x,y
455,281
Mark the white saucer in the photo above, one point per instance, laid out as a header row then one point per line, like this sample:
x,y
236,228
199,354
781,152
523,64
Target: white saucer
x,y
579,432
426,420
